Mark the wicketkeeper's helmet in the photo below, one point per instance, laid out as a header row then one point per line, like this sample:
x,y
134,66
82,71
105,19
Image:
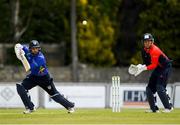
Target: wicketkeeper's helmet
x,y
34,44
148,36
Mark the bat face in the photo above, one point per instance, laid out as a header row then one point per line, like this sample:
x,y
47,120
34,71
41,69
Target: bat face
x,y
25,63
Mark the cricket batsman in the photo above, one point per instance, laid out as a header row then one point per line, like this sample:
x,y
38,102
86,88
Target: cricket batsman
x,y
154,59
33,59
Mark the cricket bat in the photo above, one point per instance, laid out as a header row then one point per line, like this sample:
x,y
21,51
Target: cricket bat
x,y
22,57
25,63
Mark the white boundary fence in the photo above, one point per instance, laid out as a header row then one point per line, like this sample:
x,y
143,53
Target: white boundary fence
x,y
9,97
87,95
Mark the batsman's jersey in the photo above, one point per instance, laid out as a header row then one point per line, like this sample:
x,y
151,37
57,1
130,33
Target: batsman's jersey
x,y
154,57
37,62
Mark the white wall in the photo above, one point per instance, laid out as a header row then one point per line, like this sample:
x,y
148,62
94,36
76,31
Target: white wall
x,y
9,97
82,96
134,96
177,95
86,96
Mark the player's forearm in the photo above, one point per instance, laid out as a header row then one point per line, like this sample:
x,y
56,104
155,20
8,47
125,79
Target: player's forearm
x,y
151,66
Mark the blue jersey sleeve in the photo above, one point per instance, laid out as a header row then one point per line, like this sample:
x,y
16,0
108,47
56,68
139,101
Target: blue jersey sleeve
x,y
26,49
37,62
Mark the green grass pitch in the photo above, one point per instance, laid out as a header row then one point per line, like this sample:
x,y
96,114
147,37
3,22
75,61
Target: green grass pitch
x,y
88,116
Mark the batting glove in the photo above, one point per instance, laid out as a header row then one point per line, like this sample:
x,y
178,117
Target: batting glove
x,y
19,51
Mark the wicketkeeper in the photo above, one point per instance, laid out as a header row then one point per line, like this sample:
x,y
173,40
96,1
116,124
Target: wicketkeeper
x,y
154,59
33,60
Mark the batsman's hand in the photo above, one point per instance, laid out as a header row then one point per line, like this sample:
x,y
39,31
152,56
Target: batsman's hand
x,y
18,46
19,51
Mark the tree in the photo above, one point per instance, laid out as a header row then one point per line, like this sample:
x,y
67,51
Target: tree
x,y
4,21
96,38
128,13
18,26
111,36
161,18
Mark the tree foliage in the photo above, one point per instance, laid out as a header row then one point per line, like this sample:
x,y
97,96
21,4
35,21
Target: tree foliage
x,y
161,18
113,31
97,37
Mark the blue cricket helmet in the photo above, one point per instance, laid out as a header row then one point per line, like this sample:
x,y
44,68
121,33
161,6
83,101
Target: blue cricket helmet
x,y
34,44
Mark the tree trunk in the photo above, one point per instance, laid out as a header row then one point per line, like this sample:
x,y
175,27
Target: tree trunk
x,y
17,28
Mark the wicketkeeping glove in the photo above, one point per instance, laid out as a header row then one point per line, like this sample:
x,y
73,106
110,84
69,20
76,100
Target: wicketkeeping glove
x,y
132,69
140,68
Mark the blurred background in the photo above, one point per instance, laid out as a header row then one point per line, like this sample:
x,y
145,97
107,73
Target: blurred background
x,y
88,40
